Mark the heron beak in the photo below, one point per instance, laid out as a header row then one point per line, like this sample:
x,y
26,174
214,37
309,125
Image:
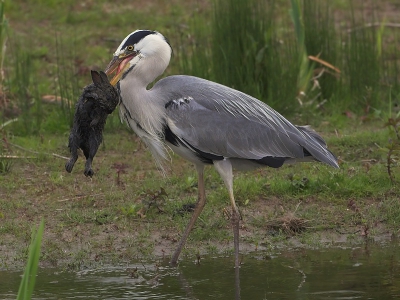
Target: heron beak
x,y
118,64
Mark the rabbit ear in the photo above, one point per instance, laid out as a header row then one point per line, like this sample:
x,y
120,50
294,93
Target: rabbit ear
x,y
104,77
96,77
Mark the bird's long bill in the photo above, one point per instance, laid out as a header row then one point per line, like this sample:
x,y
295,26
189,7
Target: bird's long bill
x,y
118,64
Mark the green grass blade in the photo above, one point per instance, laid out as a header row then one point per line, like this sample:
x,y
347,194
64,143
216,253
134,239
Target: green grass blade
x,y
295,14
28,280
305,73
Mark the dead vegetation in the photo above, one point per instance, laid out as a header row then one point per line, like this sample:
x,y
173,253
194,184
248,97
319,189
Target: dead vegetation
x,y
288,224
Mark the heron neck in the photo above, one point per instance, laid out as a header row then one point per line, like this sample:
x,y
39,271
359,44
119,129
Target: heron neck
x,y
146,70
143,106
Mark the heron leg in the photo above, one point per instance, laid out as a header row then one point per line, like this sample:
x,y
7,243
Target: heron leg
x,y
224,168
201,201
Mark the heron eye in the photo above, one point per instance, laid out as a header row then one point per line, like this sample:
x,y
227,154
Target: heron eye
x,y
130,48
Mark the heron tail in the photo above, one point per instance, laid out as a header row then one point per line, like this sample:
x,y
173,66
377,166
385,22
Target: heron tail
x,y
316,146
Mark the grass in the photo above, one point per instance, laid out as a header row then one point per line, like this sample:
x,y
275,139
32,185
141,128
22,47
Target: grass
x,y
109,219
252,48
329,66
239,47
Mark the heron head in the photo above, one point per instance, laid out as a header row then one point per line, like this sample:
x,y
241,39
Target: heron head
x,y
137,45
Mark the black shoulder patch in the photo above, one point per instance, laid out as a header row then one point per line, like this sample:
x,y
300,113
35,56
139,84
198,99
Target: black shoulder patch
x,y
204,157
170,136
136,37
270,161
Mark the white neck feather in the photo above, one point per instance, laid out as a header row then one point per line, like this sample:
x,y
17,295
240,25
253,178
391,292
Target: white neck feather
x,y
145,108
141,103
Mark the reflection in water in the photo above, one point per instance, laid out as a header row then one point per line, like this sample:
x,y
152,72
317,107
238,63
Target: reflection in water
x,y
237,283
366,272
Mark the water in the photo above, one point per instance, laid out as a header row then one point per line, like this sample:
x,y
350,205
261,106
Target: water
x,y
366,272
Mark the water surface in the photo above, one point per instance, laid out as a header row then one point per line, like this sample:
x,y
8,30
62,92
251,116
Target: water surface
x,y
364,272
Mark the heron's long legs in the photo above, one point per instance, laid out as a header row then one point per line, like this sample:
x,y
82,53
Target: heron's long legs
x,y
201,201
224,168
235,226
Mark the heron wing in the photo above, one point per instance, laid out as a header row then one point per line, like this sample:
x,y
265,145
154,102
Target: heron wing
x,y
222,121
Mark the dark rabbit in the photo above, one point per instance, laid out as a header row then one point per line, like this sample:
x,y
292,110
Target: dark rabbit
x,y
97,101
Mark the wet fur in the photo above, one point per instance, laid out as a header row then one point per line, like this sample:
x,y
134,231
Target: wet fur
x,y
97,101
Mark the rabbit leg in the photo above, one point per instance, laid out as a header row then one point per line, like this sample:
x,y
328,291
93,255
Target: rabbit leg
x,y
93,146
74,155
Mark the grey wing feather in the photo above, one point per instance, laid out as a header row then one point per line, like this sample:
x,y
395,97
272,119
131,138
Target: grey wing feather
x,y
230,136
222,121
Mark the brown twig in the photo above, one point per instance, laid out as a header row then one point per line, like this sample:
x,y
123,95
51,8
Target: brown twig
x,y
35,152
16,157
79,197
376,24
58,155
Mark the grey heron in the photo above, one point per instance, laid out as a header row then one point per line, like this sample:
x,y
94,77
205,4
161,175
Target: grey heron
x,y
204,122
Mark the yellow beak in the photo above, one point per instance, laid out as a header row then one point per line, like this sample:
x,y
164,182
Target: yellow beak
x,y
118,64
